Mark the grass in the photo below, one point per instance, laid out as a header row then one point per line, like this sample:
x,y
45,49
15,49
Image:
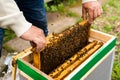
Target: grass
x,y
72,14
8,35
107,28
8,48
104,7
79,20
62,7
113,18
95,27
113,3
116,71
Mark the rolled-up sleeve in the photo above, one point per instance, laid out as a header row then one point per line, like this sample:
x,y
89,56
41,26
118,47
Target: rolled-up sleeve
x,y
11,16
84,1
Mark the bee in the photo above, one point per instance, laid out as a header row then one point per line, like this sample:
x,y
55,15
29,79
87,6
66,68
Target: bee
x,y
64,45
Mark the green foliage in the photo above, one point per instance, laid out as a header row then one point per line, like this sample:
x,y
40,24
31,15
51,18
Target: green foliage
x,y
57,1
8,48
72,14
116,71
104,7
107,28
79,20
113,3
95,27
118,50
68,1
113,18
8,35
117,42
47,7
71,1
113,9
58,5
61,7
53,8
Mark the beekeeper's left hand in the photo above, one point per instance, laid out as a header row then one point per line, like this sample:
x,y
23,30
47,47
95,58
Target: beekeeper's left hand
x,y
91,10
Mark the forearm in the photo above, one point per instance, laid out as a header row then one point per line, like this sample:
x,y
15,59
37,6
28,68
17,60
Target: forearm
x,y
84,1
12,17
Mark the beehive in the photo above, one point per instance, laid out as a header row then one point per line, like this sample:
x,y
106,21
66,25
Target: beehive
x,y
25,59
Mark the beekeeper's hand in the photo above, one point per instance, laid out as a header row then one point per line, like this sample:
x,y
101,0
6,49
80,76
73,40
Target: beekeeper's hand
x,y
36,36
91,10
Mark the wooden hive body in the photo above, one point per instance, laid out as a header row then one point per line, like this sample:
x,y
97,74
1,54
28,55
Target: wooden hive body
x,y
24,59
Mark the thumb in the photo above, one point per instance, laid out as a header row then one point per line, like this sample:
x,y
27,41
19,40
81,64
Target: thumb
x,y
33,44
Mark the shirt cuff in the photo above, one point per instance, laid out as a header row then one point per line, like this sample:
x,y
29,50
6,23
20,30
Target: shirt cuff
x,y
84,1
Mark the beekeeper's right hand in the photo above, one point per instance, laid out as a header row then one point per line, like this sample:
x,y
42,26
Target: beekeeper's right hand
x,y
36,36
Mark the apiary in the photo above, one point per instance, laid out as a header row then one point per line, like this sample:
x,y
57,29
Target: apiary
x,y
73,54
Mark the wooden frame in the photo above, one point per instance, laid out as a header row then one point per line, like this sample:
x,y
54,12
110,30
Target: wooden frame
x,y
25,66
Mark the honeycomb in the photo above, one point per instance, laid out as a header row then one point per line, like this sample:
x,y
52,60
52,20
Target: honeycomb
x,y
61,46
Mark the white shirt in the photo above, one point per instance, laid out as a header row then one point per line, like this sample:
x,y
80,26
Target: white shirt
x,y
84,1
11,16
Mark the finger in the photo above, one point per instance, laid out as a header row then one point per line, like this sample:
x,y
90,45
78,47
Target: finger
x,y
32,44
84,13
100,11
90,14
95,14
41,44
39,48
